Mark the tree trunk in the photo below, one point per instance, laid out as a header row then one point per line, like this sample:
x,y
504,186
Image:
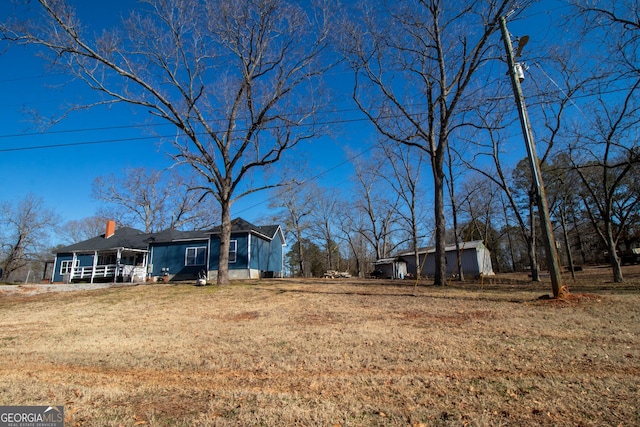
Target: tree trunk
x,y
225,239
414,243
567,243
301,260
583,252
613,256
508,228
454,214
440,278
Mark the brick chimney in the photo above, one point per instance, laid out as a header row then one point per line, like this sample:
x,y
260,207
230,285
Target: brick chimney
x,y
111,229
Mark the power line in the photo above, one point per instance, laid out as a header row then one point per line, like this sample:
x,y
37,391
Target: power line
x,y
153,125
129,139
158,124
118,140
81,130
74,144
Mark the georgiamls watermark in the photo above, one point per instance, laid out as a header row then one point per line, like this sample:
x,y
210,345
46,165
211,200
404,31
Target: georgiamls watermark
x,y
31,416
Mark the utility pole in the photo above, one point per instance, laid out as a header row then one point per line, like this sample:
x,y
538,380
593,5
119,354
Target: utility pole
x,y
516,72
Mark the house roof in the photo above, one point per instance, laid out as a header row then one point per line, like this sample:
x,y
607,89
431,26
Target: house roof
x,y
475,244
124,237
172,235
130,238
239,225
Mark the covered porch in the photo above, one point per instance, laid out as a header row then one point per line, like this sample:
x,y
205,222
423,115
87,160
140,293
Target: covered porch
x,y
117,265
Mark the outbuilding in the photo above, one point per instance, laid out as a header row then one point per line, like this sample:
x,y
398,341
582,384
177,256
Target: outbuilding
x,y
390,268
474,256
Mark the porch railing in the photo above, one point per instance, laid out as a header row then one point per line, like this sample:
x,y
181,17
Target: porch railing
x,y
99,271
109,270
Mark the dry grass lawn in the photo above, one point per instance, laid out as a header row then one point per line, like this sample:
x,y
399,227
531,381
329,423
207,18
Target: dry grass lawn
x,y
329,353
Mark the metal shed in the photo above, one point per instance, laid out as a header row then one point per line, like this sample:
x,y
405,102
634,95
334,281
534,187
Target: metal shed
x,y
391,268
475,257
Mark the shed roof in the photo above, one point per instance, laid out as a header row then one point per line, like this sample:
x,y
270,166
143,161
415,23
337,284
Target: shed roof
x,y
475,244
389,260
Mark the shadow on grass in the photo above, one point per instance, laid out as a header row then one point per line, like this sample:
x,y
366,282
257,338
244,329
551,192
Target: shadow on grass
x,y
499,288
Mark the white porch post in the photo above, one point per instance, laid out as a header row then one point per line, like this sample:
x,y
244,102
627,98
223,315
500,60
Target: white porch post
x,y
144,265
207,263
149,269
115,275
95,262
73,267
248,257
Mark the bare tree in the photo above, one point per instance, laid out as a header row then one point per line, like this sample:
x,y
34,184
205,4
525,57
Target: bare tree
x,y
352,223
606,157
297,202
488,160
324,226
153,200
25,229
451,178
236,78
481,205
605,151
616,27
404,175
75,231
378,205
414,65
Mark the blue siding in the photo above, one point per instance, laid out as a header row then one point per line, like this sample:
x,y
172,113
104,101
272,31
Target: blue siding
x,y
275,253
82,260
242,258
85,260
259,253
214,253
57,277
172,256
266,255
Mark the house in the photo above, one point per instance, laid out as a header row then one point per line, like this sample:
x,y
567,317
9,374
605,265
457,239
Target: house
x,y
127,254
254,252
474,256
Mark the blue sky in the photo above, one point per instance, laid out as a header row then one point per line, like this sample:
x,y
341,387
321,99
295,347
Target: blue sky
x,y
102,141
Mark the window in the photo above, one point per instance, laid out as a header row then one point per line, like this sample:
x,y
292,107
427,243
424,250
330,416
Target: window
x,y
66,266
195,256
233,250
106,259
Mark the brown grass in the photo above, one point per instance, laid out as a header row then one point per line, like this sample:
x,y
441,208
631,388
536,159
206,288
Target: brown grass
x,y
330,353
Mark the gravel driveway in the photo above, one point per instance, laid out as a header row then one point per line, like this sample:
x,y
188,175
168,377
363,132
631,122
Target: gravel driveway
x,y
34,289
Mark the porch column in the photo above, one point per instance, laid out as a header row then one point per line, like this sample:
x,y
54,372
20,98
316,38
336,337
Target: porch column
x,y
149,269
73,267
118,256
144,266
95,262
207,261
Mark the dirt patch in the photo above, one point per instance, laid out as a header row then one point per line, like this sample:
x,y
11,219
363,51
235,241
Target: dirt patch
x,y
247,315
